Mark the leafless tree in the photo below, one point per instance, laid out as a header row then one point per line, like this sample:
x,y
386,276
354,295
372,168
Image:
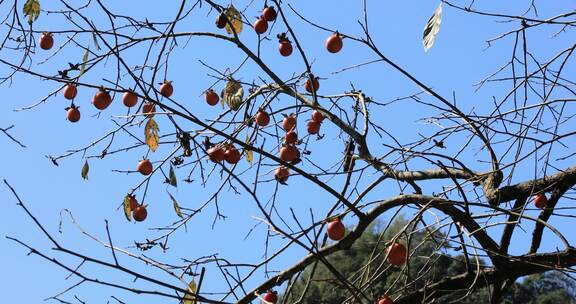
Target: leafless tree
x,y
465,168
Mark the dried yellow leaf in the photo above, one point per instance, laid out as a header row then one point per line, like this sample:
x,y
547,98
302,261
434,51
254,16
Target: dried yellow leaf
x,y
126,205
249,153
189,297
235,19
233,94
32,10
151,134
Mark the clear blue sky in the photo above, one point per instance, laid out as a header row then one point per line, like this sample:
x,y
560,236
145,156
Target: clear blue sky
x,y
458,59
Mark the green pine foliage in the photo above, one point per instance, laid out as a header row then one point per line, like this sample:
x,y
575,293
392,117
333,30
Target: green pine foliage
x,y
364,267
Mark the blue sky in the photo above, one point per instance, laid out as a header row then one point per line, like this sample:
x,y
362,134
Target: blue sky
x,y
459,59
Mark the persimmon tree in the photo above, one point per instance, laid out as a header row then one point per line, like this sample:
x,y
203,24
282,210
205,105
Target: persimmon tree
x,y
466,173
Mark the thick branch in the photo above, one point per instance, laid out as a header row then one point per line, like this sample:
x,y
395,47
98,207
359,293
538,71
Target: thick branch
x,y
517,267
426,174
566,178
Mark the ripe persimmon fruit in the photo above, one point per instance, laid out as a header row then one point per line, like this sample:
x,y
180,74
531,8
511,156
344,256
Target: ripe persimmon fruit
x,y
70,91
270,297
166,89
540,201
216,153
231,155
101,99
149,108
289,153
334,43
211,97
313,127
317,116
129,99
73,114
289,122
312,85
281,174
262,118
397,254
385,300
269,13
46,41
133,202
260,26
140,213
291,137
145,167
336,230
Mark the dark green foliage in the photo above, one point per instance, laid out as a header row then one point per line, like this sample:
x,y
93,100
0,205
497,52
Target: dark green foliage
x,y
547,288
364,267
